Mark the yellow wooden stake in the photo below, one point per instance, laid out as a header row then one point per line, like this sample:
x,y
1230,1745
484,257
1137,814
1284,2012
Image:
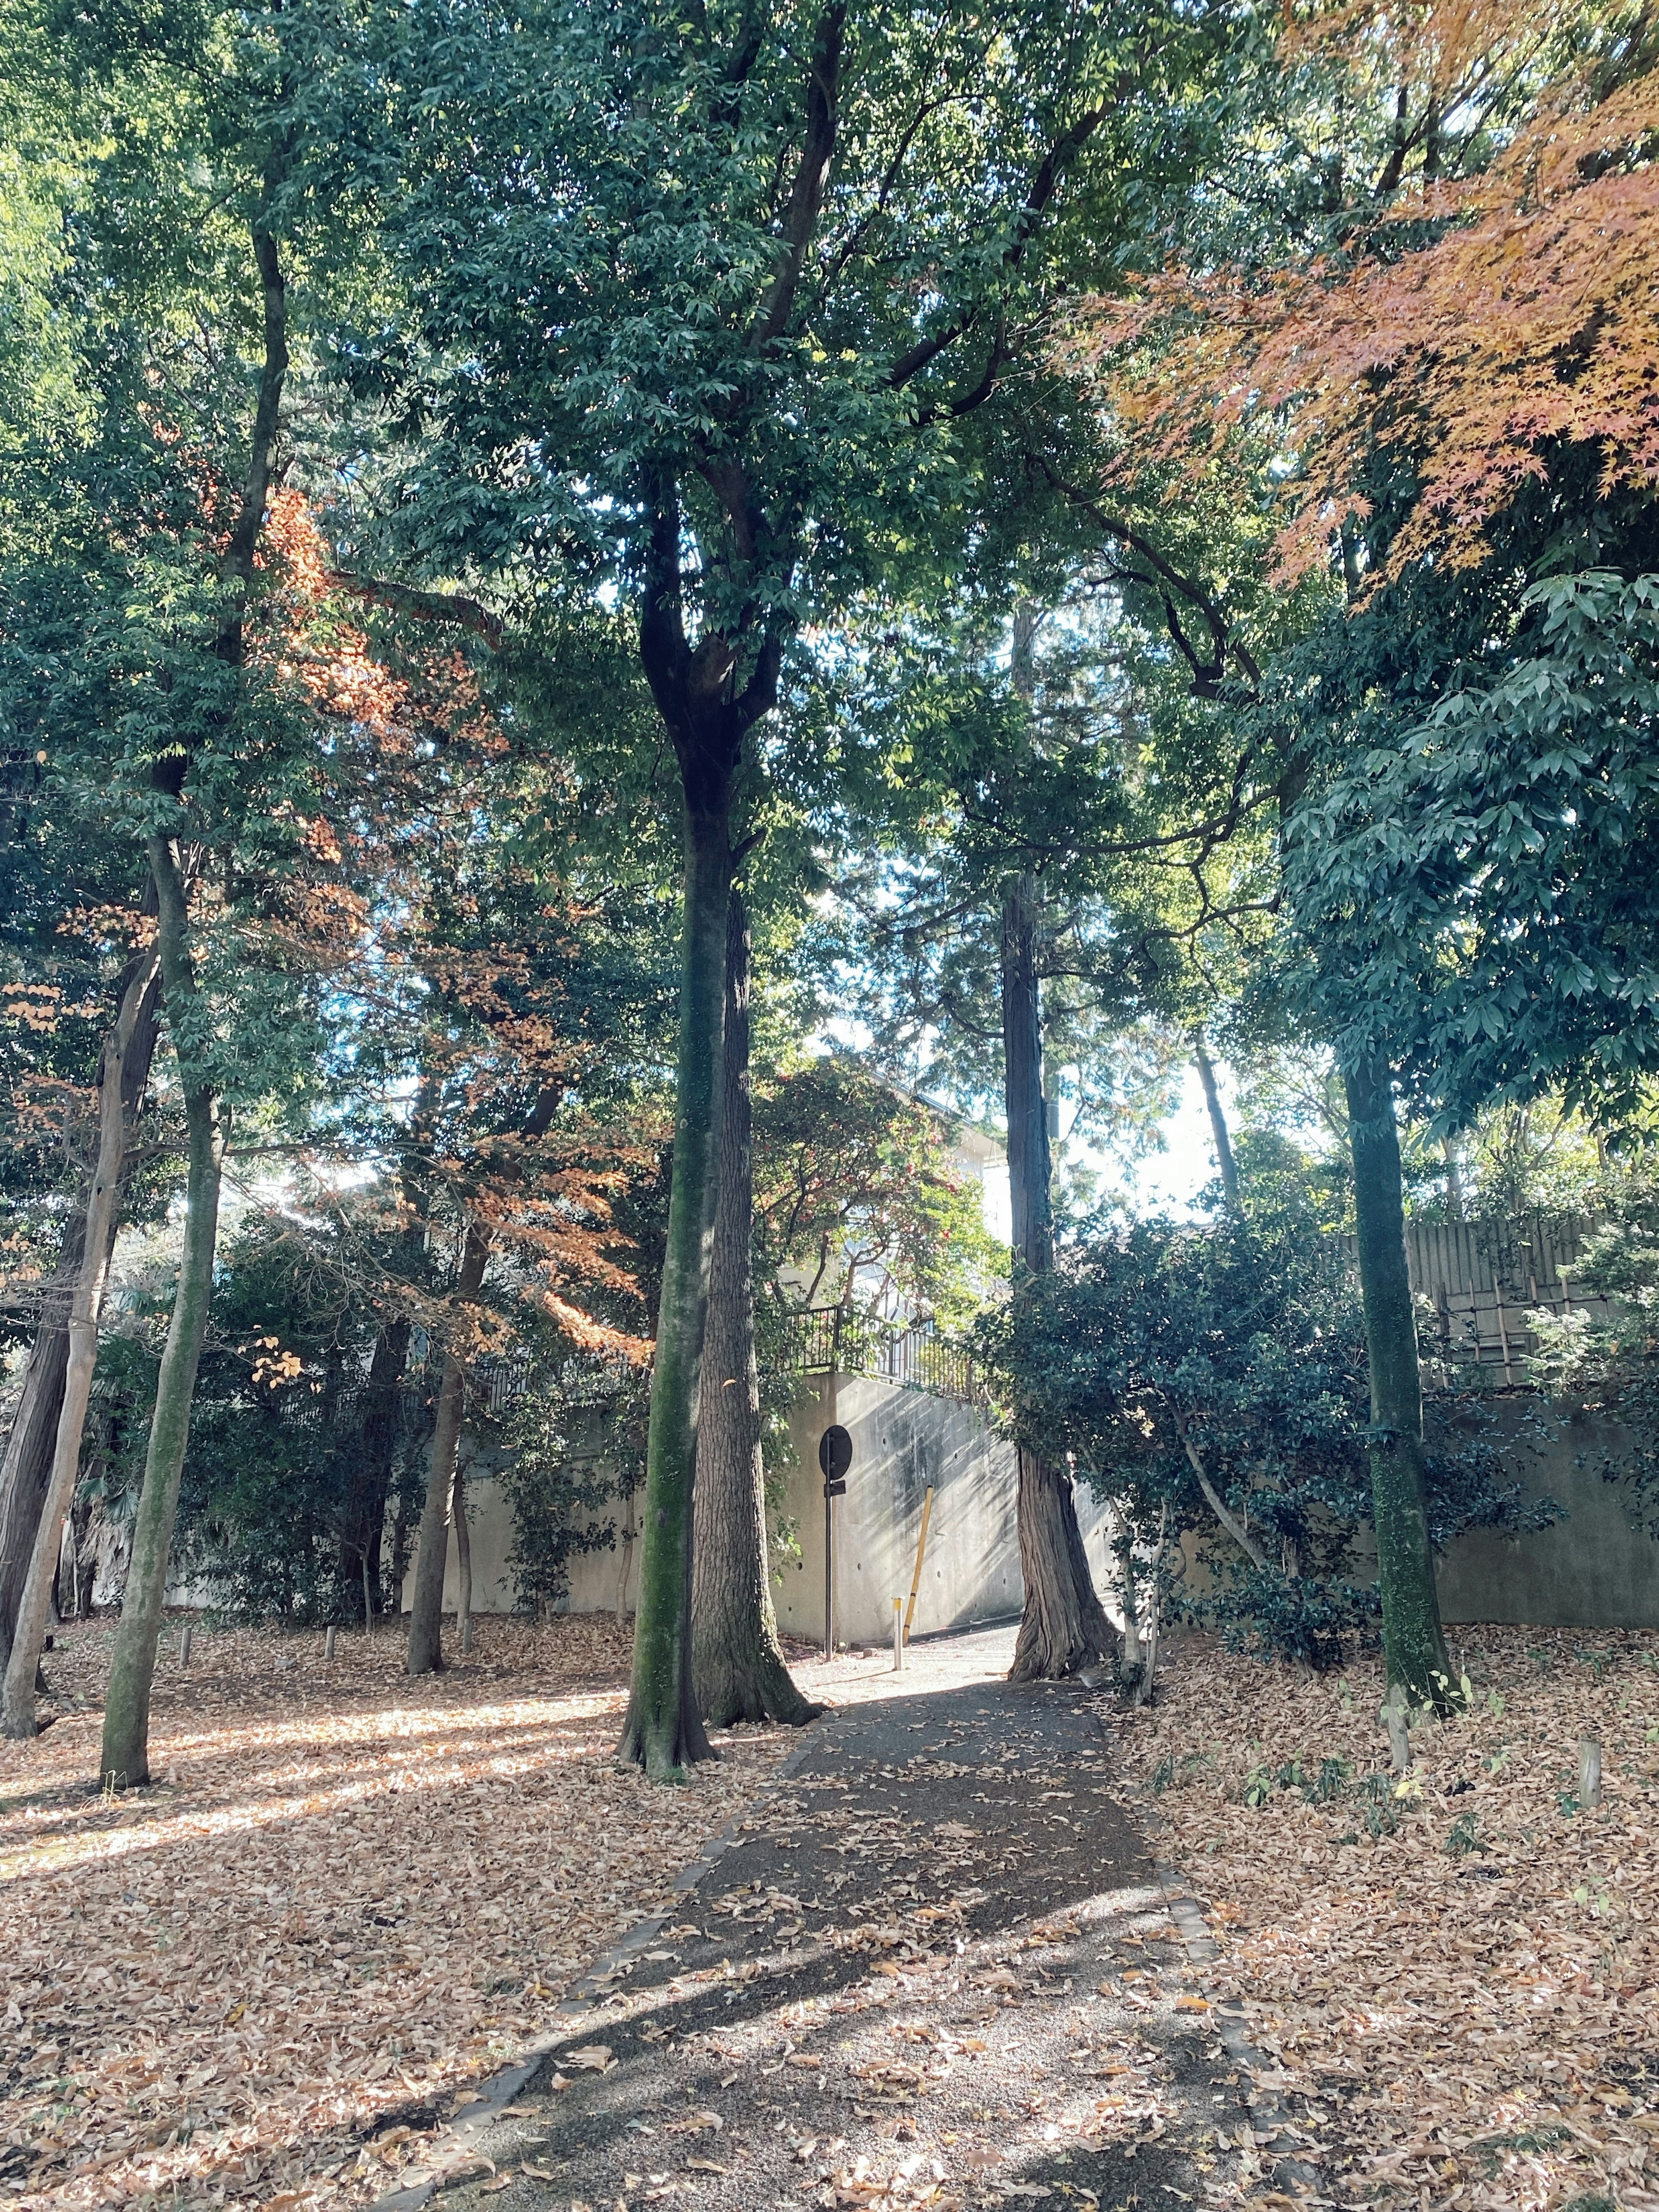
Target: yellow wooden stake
x,y
921,1547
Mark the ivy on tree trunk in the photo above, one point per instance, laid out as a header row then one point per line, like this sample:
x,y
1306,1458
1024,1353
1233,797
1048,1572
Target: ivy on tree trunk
x,y
1414,1642
737,1663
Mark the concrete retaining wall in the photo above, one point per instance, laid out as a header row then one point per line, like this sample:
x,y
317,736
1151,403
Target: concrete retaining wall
x,y
1592,1570
903,1441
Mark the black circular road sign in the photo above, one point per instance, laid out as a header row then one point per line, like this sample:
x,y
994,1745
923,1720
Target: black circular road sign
x,y
835,1452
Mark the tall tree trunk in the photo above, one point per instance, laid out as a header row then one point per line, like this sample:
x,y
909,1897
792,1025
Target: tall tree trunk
x,y
1414,1642
737,1661
664,1729
1063,1626
708,704
425,1653
26,1468
362,1521
98,1238
132,1663
1223,1150
462,1559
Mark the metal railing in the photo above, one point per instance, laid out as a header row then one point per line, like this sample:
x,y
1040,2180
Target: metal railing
x,y
822,1342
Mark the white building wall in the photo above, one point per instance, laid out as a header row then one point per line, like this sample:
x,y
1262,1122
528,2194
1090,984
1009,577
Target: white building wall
x,y
903,1441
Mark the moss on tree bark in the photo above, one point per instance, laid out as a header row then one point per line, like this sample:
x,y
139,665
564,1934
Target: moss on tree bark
x,y
736,1660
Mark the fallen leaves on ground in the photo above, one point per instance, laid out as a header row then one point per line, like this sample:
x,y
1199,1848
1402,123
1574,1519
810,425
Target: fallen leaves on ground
x,y
1457,1981
263,1981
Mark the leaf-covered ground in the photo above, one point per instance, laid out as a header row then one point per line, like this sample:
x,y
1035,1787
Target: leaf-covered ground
x,y
1459,1984
348,1895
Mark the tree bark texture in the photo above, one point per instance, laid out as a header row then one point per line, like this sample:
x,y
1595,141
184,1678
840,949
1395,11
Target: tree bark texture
x,y
1414,1642
26,1469
463,1560
425,1651
86,1307
1226,1166
736,1660
664,1729
363,1520
1063,1625
132,1662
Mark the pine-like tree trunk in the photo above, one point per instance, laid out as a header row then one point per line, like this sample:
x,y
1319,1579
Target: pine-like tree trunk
x,y
98,1239
1225,1163
132,1664
425,1654
1063,1626
1413,1641
664,1730
26,1468
737,1661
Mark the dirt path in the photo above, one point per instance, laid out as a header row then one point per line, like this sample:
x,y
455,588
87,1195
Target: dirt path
x,y
935,1966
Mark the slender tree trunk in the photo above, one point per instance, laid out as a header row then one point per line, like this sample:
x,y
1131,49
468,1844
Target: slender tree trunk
x,y
132,1663
737,1663
1063,1626
1224,1150
462,1559
31,1446
363,1520
664,1730
626,1547
102,1211
1413,1640
425,1655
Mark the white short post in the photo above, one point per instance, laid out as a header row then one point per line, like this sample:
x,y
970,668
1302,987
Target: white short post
x,y
1590,1773
184,1646
1400,1741
328,1643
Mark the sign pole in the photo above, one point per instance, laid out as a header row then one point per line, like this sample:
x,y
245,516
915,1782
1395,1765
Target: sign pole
x,y
834,1457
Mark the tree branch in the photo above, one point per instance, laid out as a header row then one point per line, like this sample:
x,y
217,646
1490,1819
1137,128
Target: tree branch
x,y
425,606
1042,190
811,174
1234,1527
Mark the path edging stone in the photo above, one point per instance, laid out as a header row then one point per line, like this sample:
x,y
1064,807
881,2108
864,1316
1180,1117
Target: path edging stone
x,y
1191,1917
509,2082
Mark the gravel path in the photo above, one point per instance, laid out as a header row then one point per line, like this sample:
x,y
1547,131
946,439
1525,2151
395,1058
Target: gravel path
x,y
935,1966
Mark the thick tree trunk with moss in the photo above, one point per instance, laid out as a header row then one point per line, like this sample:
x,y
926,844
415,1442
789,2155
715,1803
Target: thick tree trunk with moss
x,y
1413,1642
132,1663
97,1242
1063,1625
664,1730
425,1653
737,1661
31,1445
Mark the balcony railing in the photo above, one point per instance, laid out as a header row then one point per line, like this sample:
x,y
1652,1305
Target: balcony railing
x,y
821,1343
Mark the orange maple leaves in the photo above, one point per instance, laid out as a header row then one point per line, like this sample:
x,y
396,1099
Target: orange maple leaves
x,y
1470,324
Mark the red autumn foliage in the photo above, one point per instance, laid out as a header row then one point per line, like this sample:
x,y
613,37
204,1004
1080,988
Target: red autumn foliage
x,y
1471,323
